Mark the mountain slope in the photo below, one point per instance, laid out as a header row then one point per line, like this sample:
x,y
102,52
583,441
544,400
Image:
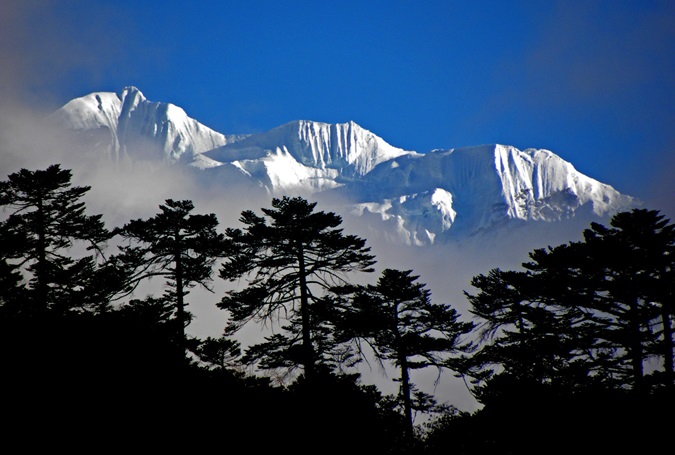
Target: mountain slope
x,y
306,155
127,125
408,197
459,192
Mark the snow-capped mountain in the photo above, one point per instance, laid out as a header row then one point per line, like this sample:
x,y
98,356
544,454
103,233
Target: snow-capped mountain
x,y
313,156
458,192
126,125
412,198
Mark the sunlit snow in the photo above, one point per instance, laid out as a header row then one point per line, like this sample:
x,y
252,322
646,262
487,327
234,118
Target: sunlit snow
x,y
413,198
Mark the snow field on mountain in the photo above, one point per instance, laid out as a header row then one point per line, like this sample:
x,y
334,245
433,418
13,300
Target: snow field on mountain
x,y
139,128
417,198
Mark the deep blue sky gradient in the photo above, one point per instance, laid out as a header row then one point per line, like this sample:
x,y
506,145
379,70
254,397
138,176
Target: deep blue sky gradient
x,y
593,81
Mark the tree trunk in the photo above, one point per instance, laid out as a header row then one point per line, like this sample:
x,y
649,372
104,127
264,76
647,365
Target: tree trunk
x,y
405,377
41,253
668,362
180,297
665,298
635,345
405,392
308,351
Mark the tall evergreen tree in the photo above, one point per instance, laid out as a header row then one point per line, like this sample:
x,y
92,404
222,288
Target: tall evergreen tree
x,y
177,245
398,320
46,219
585,313
523,333
620,279
291,255
637,254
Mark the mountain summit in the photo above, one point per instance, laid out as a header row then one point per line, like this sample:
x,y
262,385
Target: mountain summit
x,y
126,125
308,156
459,192
413,198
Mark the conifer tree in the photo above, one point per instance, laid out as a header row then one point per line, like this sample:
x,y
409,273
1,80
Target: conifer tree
x,y
637,255
397,319
526,334
585,313
177,245
46,219
291,255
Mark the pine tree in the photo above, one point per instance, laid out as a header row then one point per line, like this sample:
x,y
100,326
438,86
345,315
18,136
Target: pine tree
x,y
637,254
46,219
291,255
177,245
526,334
585,313
400,323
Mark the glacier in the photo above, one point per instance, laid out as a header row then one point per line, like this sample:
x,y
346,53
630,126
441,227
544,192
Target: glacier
x,y
306,155
408,197
469,190
126,125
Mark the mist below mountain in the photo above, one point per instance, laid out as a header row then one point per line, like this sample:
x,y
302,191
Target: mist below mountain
x,y
408,197
447,214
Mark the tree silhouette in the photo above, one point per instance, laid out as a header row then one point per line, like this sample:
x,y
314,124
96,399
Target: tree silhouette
x,y
523,333
637,255
565,342
584,313
291,255
46,219
398,320
219,353
177,245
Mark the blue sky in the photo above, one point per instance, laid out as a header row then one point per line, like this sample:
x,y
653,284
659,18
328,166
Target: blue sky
x,y
592,81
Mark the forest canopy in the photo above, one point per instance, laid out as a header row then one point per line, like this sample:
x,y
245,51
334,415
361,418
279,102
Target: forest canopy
x,y
582,332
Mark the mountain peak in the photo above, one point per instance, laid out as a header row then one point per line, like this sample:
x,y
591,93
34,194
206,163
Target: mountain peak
x,y
323,150
484,186
423,198
126,125
131,92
